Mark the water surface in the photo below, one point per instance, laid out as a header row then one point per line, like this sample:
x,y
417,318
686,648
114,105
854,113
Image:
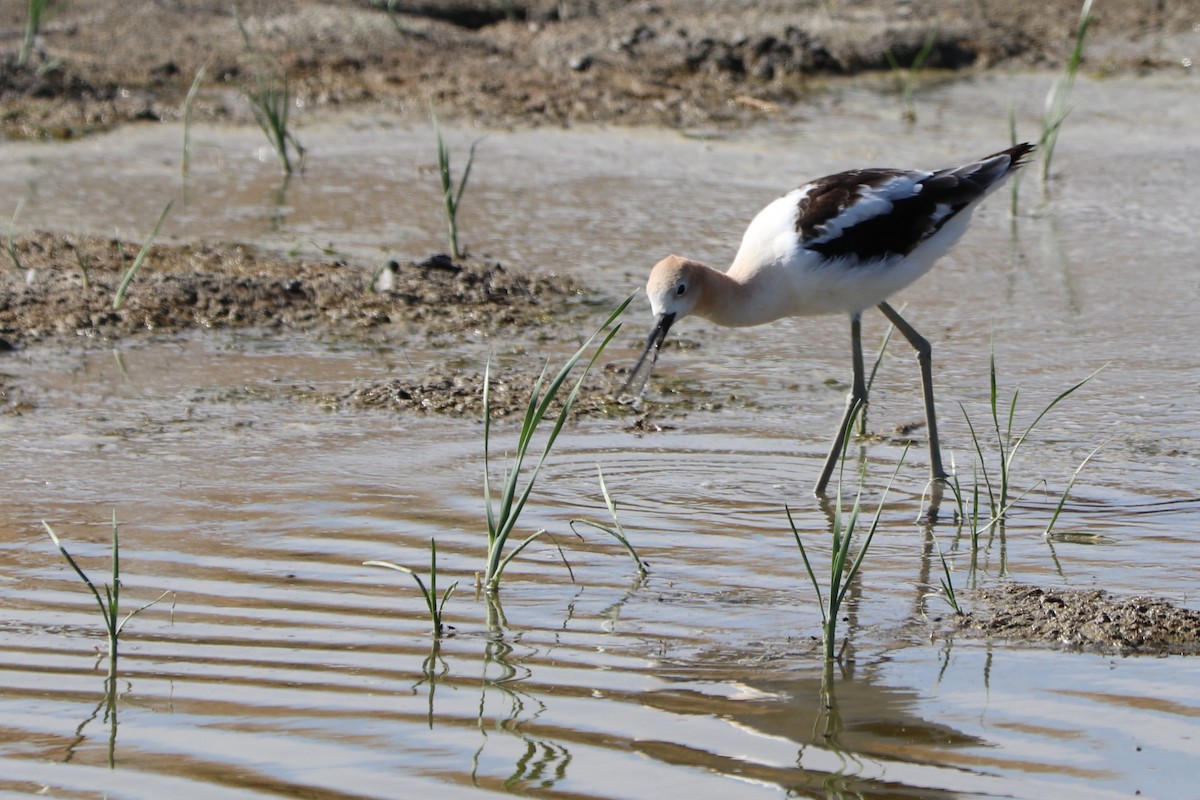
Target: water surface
x,y
281,666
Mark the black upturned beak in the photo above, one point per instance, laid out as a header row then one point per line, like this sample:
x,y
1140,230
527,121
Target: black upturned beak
x,y
655,341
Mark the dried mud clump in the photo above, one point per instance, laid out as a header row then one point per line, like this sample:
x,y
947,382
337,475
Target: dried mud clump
x,y
69,283
1086,619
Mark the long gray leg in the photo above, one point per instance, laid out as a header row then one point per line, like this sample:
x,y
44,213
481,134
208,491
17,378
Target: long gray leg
x,y
925,359
857,399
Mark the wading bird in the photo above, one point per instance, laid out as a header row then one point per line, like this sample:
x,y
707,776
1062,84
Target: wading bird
x,y
841,243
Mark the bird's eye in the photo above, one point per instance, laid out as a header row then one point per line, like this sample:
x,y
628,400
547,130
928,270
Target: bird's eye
x,y
681,288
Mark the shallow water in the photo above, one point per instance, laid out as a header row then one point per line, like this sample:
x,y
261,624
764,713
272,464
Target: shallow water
x,y
279,665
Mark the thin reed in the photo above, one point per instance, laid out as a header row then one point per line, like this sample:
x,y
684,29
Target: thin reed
x,y
947,583
996,484
1016,177
10,240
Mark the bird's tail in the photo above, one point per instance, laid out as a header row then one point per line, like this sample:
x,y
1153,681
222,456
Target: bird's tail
x,y
988,173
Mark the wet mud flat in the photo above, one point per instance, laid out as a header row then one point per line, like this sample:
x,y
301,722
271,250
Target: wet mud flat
x,y
66,295
65,300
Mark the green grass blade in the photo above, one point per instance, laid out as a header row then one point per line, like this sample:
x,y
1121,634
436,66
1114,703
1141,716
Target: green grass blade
x,y
1062,396
862,550
462,184
82,575
140,609
11,242
119,298
487,430
114,596
619,531
1070,484
528,540
512,504
946,581
420,583
926,49
812,575
508,496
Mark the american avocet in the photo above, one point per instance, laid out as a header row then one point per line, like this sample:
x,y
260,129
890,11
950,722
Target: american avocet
x,y
841,243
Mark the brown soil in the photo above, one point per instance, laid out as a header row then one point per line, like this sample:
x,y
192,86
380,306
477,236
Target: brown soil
x,y
201,286
665,62
1085,619
71,282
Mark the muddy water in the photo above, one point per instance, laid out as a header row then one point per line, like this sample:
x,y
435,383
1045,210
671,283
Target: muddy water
x,y
279,665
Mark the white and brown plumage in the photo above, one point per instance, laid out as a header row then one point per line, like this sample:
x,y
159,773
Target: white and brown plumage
x,y
841,243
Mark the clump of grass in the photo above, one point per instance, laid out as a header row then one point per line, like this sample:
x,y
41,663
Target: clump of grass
x,y
1056,108
842,570
270,102
433,601
616,530
451,196
1000,490
906,78
110,604
504,510
998,483
123,287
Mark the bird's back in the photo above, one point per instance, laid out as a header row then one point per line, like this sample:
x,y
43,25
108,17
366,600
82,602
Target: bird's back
x,y
848,241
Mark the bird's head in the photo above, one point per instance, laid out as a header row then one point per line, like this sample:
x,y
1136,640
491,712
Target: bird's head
x,y
674,290
674,287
